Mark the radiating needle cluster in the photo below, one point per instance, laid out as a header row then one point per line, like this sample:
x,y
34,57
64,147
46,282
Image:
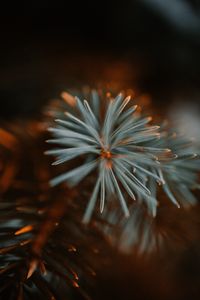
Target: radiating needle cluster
x,y
181,173
116,143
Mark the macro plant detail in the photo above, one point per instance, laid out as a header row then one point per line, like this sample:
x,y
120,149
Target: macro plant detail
x,y
45,253
181,176
181,173
116,141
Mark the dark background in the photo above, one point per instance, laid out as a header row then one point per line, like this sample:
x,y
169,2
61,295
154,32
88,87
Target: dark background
x,y
47,46
151,46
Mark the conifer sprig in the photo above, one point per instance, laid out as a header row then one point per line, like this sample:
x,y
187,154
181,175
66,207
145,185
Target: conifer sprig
x,y
118,143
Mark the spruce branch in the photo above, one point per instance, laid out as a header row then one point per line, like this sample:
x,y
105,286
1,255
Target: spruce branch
x,y
116,142
42,243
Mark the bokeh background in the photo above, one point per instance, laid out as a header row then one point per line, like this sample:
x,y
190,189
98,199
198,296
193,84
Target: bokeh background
x,y
149,46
